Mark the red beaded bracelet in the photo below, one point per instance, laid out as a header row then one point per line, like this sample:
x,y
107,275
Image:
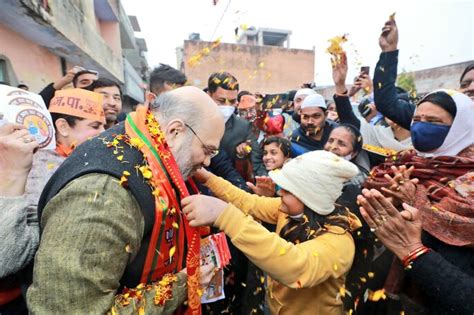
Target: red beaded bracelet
x,y
414,254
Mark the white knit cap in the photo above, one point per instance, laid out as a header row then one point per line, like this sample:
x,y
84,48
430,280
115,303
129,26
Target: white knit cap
x,y
304,92
316,178
314,100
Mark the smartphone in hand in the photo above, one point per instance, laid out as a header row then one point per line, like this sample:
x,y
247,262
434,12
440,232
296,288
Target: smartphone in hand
x,y
364,70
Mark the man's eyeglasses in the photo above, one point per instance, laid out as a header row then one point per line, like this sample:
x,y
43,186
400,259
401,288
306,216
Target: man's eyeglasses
x,y
211,152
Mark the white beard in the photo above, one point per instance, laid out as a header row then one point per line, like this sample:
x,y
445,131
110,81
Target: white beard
x,y
182,156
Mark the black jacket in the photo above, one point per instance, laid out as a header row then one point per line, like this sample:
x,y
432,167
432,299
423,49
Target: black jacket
x,y
93,156
444,277
47,94
237,131
221,165
301,143
385,93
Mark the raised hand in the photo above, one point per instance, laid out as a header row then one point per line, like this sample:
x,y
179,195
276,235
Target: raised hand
x,y
16,157
339,73
388,40
264,186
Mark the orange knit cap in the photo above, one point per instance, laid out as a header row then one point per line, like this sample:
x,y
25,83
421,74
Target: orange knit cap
x,y
79,103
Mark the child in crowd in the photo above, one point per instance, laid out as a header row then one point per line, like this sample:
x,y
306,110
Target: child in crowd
x,y
308,257
276,152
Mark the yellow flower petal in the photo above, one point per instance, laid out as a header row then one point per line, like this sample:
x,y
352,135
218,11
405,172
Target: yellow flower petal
x,y
146,172
377,295
172,251
342,291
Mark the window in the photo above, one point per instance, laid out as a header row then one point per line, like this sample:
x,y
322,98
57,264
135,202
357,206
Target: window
x,y
3,71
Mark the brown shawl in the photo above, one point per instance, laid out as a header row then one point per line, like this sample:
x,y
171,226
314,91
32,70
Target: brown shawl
x,y
444,195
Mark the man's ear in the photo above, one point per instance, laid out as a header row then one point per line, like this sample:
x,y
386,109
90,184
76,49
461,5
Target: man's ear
x,y
172,131
149,98
62,127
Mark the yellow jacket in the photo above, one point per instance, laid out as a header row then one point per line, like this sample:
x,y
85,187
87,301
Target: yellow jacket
x,y
304,278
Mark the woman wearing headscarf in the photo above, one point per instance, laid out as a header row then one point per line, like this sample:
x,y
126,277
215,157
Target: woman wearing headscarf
x,y
433,237
346,141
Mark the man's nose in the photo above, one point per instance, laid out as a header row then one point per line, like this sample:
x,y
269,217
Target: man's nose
x,y
207,161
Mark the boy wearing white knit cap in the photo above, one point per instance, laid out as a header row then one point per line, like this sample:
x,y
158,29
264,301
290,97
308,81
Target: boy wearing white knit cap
x,y
308,257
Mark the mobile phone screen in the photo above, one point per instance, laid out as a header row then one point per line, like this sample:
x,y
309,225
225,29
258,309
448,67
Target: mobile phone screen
x,y
365,69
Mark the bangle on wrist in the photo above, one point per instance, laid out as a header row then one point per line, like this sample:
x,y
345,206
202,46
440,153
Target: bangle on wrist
x,y
342,94
408,260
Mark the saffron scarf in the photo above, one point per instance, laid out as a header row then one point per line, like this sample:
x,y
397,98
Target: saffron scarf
x,y
171,229
64,150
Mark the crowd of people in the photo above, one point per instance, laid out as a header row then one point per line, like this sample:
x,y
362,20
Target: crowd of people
x,y
329,207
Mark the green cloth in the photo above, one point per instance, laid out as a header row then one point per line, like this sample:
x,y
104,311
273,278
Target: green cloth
x,y
91,230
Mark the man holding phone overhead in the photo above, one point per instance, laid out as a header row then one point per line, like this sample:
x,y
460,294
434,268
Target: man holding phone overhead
x,y
77,75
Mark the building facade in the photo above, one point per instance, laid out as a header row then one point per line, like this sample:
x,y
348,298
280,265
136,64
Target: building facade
x,y
261,61
41,39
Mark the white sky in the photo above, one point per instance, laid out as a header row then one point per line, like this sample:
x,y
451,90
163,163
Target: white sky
x,y
432,32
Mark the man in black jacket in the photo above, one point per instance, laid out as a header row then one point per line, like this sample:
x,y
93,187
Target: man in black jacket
x,y
239,141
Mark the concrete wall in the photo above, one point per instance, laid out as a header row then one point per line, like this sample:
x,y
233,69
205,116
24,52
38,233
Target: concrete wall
x,y
426,80
68,29
264,69
440,77
31,63
110,32
83,34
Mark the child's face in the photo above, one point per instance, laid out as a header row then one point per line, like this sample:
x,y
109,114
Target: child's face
x,y
290,204
273,157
